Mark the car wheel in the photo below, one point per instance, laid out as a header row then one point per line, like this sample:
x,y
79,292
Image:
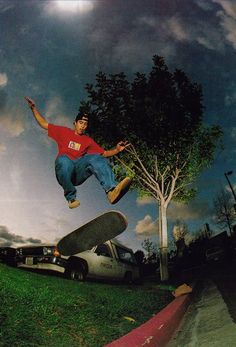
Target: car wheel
x,y
76,273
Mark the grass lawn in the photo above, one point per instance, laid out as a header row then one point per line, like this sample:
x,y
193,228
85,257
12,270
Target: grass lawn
x,y
42,310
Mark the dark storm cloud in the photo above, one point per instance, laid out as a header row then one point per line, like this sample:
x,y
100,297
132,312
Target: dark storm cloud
x,y
5,243
108,39
9,239
6,235
34,241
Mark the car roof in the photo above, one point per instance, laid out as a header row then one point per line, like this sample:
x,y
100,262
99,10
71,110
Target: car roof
x,y
117,243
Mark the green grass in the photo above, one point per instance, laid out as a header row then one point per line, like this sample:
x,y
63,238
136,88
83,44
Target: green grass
x,y
42,310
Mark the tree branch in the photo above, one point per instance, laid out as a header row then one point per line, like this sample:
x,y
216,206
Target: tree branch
x,y
173,183
137,177
167,188
181,186
156,168
135,166
140,162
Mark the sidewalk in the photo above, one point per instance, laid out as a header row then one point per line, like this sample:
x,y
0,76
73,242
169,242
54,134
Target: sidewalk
x,y
207,322
205,318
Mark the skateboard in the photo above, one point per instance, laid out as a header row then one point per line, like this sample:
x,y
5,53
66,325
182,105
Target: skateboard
x,y
100,229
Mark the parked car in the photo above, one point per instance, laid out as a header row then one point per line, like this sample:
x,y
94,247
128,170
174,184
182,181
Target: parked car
x,y
45,257
110,260
215,254
8,255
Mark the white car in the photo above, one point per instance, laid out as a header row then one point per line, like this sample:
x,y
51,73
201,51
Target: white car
x,y
110,260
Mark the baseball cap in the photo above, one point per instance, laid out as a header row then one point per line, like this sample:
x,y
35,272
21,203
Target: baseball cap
x,y
82,116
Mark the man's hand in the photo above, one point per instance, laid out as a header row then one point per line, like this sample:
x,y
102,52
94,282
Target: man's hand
x,y
119,148
37,115
122,145
31,102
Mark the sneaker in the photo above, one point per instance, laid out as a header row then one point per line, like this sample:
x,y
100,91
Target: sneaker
x,y
73,203
120,190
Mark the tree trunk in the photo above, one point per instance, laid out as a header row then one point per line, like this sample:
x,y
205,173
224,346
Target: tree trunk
x,y
163,240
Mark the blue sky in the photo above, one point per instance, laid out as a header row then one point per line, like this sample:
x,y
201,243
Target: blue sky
x,y
49,50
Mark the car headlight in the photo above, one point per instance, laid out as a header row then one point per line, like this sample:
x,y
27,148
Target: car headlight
x,y
47,251
51,251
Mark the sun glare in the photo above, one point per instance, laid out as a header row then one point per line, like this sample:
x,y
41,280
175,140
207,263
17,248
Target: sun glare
x,y
75,5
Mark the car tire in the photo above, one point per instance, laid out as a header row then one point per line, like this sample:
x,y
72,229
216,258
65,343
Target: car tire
x,y
76,273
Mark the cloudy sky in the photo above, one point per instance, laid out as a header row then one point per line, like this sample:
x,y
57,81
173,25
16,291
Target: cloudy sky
x,y
49,50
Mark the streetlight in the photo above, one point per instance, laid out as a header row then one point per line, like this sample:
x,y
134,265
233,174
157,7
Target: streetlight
x,y
226,176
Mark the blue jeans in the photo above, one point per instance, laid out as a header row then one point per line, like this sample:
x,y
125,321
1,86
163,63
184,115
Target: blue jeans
x,y
71,173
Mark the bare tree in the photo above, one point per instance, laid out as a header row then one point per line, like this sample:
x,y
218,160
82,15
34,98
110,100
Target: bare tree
x,y
180,230
224,210
151,248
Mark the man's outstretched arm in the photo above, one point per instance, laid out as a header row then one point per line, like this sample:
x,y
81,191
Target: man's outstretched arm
x,y
119,148
37,115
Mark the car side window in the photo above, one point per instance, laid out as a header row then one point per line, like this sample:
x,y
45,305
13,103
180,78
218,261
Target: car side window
x,y
103,249
125,255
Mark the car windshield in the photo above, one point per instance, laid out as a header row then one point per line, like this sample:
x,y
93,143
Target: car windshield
x,y
125,255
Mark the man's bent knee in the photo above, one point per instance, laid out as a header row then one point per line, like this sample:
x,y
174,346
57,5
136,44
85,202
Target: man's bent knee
x,y
63,162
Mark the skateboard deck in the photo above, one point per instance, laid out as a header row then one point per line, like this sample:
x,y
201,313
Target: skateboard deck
x,y
100,229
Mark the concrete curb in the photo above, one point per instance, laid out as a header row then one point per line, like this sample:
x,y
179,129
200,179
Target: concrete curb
x,y
157,331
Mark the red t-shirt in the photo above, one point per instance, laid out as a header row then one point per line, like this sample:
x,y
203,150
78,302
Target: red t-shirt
x,y
71,144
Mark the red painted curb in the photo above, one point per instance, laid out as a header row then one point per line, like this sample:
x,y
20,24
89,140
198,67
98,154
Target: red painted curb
x,y
157,331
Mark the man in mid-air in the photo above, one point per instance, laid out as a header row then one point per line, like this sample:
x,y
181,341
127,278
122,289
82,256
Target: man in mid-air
x,y
79,157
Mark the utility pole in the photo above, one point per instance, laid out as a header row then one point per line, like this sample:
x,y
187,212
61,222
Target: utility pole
x,y
231,187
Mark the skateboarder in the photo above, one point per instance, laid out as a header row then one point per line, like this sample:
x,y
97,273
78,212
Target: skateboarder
x,y
79,157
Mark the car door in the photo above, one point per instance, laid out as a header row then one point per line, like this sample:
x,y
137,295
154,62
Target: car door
x,y
104,265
